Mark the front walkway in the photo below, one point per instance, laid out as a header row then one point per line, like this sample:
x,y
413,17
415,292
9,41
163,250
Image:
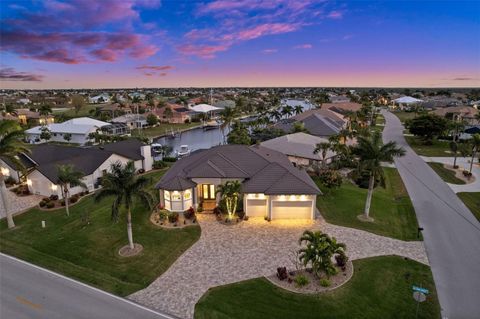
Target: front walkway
x,y
255,248
19,204
463,163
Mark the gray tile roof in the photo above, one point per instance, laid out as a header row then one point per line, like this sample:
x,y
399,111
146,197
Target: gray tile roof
x,y
263,170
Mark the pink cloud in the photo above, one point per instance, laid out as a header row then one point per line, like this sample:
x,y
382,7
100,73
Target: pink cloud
x,y
266,29
105,55
10,74
221,5
303,46
203,51
335,15
155,67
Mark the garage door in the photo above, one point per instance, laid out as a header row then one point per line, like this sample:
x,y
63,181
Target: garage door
x,y
291,210
256,207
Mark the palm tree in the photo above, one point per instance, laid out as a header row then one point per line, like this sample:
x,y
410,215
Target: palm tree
x,y
230,191
45,110
287,111
475,148
319,251
454,148
227,116
276,114
68,176
11,145
297,109
371,152
124,185
322,148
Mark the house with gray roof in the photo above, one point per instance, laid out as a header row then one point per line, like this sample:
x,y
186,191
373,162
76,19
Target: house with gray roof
x,y
315,123
271,186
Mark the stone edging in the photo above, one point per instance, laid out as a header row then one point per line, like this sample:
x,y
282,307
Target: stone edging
x,y
168,227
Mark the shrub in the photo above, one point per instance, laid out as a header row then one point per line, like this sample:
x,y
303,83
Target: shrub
x,y
42,204
325,282
467,173
50,205
62,202
141,171
241,214
200,208
341,260
163,214
217,211
169,159
54,197
10,180
282,273
73,199
189,213
301,280
46,199
159,164
173,217
26,192
330,178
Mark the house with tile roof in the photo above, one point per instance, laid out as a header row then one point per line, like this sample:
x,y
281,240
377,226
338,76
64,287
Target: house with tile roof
x,y
271,186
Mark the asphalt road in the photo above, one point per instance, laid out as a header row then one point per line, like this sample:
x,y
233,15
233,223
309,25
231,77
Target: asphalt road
x,y
27,291
451,232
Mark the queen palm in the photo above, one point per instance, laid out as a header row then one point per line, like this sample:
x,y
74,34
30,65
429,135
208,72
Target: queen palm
x,y
287,111
371,152
298,109
230,192
124,185
227,116
475,149
11,145
276,114
68,177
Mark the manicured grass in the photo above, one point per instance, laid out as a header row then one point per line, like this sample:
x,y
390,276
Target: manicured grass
x,y
438,148
381,287
403,116
164,128
446,174
88,252
391,208
84,111
472,201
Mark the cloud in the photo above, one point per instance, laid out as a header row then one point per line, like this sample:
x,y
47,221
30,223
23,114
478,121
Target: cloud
x,y
155,67
464,79
68,32
265,29
9,74
224,5
303,46
203,51
335,15
347,37
269,51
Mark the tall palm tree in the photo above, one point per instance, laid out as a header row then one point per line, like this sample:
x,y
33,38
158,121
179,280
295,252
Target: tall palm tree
x,y
454,148
371,152
124,185
297,109
68,176
230,192
227,116
322,148
475,148
11,145
287,111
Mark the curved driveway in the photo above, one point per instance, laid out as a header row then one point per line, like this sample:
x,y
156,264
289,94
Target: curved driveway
x,y
451,232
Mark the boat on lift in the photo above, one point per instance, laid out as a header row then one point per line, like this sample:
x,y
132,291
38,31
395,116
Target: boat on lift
x,y
183,151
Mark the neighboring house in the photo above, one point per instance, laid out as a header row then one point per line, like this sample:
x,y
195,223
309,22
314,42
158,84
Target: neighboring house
x,y
102,98
25,116
299,148
132,121
118,129
458,113
342,107
223,104
78,128
271,186
24,101
339,99
114,109
321,123
42,164
179,114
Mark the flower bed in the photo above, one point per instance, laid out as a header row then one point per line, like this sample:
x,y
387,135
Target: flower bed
x,y
223,218
21,190
304,281
53,202
164,218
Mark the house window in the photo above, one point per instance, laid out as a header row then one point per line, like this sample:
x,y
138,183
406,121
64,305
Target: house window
x,y
187,194
208,191
176,195
166,195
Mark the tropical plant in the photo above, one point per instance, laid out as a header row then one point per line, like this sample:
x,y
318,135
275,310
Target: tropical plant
x,y
45,133
287,111
323,149
427,126
318,251
152,119
330,178
475,142
301,280
78,102
69,176
11,145
168,113
371,152
67,137
454,148
297,109
276,114
230,192
239,134
299,127
45,109
227,116
124,185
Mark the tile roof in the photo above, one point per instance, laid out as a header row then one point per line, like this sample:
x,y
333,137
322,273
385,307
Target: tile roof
x,y
263,170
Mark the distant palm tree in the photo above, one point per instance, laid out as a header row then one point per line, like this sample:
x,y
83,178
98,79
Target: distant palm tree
x,y
298,109
11,145
124,185
227,116
276,114
323,148
287,111
68,177
371,152
475,148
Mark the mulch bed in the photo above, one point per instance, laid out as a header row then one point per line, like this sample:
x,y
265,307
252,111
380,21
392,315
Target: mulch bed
x,y
125,251
181,223
313,287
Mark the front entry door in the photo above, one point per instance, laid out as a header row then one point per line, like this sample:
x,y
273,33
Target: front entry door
x,y
208,195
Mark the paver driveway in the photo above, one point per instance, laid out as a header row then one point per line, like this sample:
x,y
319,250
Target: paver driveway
x,y
227,254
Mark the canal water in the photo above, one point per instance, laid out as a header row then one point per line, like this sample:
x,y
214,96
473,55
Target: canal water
x,y
305,104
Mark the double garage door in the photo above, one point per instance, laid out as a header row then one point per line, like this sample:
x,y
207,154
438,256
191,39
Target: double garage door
x,y
280,209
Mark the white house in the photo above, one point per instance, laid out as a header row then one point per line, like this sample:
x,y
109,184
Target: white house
x,y
102,98
78,128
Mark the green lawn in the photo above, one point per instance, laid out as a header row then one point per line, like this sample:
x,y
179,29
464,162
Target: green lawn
x,y
163,128
472,200
391,208
381,287
84,111
403,116
438,148
89,252
446,174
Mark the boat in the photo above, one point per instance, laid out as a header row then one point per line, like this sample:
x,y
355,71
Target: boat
x,y
183,151
211,125
157,148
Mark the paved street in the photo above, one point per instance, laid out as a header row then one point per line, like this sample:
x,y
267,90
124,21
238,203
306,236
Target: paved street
x,y
31,292
451,232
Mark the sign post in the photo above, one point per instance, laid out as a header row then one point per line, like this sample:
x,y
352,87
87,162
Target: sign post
x,y
420,295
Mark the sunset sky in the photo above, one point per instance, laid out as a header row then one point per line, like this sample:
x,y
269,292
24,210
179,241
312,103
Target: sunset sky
x,y
152,43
